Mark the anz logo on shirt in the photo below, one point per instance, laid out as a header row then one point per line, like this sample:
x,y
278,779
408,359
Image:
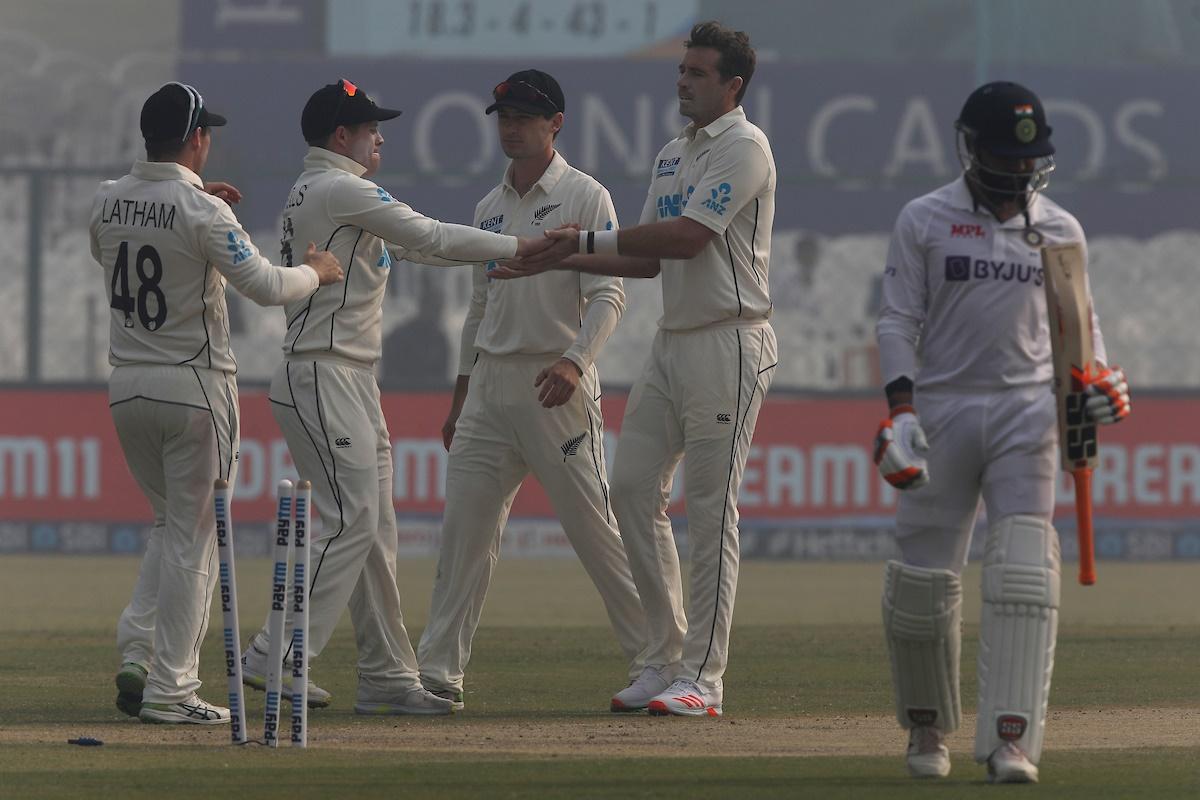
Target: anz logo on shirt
x,y
239,248
383,195
385,260
719,198
672,205
960,269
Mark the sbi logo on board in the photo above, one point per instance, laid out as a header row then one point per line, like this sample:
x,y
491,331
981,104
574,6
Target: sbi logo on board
x,y
965,268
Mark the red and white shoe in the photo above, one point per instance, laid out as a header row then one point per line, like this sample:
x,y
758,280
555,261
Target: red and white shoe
x,y
685,698
1008,764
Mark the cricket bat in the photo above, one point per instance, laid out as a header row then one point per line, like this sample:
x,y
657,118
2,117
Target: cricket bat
x,y
1074,367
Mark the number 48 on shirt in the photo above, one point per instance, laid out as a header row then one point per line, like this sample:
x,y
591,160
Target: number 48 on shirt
x,y
150,304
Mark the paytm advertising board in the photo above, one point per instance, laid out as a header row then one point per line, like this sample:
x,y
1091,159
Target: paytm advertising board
x,y
810,488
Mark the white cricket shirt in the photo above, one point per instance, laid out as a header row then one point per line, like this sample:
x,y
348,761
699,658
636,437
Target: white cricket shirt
x,y
722,176
561,311
330,204
963,302
167,248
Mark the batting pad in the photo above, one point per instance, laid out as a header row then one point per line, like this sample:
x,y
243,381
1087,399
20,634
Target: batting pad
x,y
922,619
1021,588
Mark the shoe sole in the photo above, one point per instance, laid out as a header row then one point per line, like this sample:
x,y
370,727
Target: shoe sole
x,y
660,709
259,685
130,685
617,707
390,709
171,718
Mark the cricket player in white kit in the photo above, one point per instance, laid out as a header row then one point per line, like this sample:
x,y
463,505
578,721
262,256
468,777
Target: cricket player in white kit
x,y
168,243
964,347
326,400
527,357
706,227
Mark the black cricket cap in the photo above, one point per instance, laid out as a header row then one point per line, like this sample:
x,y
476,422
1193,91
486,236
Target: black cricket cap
x,y
531,91
1007,120
173,112
340,103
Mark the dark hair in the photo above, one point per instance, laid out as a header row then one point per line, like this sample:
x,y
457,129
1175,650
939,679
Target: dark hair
x,y
737,56
323,141
166,150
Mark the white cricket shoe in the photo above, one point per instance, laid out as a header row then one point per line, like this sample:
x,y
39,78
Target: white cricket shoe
x,y
406,701
640,691
455,696
1008,764
928,756
685,698
192,711
254,675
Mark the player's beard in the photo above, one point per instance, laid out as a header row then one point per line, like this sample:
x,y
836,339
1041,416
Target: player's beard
x,y
1001,188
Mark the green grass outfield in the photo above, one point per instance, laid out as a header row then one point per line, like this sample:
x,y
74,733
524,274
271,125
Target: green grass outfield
x,y
807,697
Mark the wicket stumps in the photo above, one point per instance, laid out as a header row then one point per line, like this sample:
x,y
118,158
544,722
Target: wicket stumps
x,y
290,536
300,544
275,619
229,605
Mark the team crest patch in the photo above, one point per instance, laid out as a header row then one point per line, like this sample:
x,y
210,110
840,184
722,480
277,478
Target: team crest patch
x,y
1026,130
540,215
571,446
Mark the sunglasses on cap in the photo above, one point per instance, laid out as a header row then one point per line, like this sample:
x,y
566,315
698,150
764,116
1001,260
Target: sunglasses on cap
x,y
348,90
520,90
195,108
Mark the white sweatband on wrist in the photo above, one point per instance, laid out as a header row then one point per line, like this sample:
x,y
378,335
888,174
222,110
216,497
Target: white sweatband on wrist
x,y
598,242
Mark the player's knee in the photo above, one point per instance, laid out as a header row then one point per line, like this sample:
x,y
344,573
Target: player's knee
x,y
1021,562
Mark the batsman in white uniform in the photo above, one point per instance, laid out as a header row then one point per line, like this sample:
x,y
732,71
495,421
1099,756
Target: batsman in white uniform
x,y
326,400
533,405
965,352
168,243
706,227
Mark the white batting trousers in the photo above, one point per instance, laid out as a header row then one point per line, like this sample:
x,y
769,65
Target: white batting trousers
x,y
698,399
331,416
178,428
503,434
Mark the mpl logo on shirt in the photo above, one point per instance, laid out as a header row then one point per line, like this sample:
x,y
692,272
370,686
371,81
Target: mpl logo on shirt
x,y
967,232
964,268
666,166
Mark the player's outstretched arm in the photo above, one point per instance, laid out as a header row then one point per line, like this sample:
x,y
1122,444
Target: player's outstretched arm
x,y
325,264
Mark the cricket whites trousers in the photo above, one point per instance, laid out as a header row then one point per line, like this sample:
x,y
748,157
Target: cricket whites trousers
x,y
178,428
503,435
329,411
697,399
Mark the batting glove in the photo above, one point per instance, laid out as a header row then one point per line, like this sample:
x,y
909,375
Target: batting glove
x,y
900,449
1108,397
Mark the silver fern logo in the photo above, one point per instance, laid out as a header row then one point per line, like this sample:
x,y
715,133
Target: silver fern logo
x,y
571,446
544,211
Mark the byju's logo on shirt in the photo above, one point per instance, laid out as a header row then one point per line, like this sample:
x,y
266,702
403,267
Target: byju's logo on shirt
x,y
719,198
540,215
672,205
493,223
239,248
964,268
666,166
